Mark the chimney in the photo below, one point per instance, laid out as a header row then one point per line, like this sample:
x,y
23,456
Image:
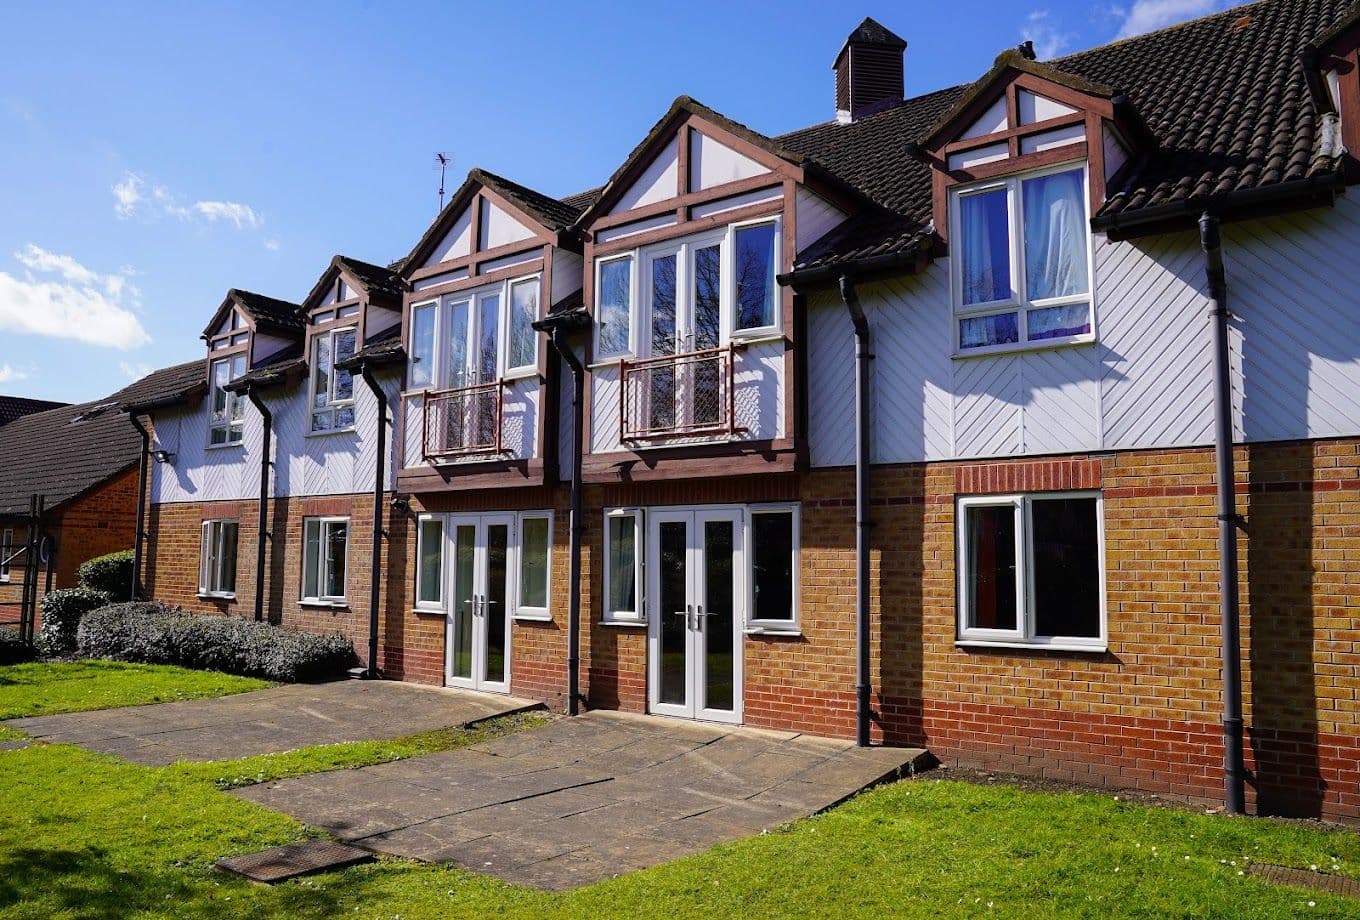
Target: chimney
x,y
869,72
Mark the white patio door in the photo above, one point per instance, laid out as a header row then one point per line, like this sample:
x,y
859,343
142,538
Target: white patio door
x,y
695,593
478,642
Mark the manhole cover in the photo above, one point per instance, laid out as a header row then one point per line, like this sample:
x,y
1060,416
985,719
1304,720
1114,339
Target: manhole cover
x,y
282,863
1302,878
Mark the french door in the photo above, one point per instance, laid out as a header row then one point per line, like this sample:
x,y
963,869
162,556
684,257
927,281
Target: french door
x,y
683,291
478,640
695,593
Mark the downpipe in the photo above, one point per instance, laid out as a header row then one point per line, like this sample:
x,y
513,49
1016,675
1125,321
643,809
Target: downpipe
x,y
267,418
139,536
1234,771
375,565
863,356
555,335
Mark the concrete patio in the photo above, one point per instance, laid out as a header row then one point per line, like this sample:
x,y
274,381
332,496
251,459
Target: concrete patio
x,y
267,721
581,800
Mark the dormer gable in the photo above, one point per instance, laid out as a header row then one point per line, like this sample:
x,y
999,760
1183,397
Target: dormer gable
x,y
1331,64
362,293
258,326
1024,115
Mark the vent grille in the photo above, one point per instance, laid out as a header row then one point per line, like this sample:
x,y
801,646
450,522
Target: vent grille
x,y
876,78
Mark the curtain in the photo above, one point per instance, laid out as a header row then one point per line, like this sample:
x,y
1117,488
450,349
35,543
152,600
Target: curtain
x,y
986,247
1055,236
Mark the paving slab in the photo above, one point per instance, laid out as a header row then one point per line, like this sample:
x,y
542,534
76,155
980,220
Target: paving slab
x,y
268,721
581,800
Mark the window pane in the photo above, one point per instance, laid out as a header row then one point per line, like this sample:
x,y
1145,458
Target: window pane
x,y
455,342
979,331
772,566
533,563
344,417
755,277
990,560
663,305
1055,236
321,373
221,375
489,320
344,380
321,421
707,296
523,312
1066,567
985,231
422,346
622,581
226,562
1059,322
337,536
311,558
614,305
431,561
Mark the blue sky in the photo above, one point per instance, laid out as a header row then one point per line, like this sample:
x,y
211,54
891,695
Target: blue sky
x,y
153,156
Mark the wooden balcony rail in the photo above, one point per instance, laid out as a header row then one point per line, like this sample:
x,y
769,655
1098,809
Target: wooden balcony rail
x,y
463,421
690,395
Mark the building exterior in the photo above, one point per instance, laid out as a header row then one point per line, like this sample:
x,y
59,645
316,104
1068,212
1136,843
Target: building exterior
x,y
905,426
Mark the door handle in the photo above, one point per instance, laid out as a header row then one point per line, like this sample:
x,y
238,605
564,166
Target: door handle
x,y
699,618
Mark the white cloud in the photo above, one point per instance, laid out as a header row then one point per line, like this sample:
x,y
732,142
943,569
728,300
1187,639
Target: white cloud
x,y
9,373
1147,15
271,244
131,198
134,371
1048,37
59,297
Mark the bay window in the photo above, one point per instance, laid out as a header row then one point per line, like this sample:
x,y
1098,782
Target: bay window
x,y
475,337
332,388
1032,570
325,551
217,559
227,424
773,546
1021,266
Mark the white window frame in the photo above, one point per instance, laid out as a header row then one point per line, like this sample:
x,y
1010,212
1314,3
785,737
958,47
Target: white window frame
x,y
234,425
435,351
1023,636
769,330
436,605
636,617
324,599
6,548
210,555
508,371
634,288
793,625
333,405
1018,301
520,610
443,306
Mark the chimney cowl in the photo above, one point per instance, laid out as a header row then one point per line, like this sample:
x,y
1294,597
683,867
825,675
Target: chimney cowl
x,y
869,71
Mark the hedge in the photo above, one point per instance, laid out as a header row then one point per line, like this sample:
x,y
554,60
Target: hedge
x,y
13,649
62,611
111,574
156,634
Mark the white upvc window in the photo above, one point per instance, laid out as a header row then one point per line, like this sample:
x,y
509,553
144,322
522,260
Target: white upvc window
x,y
325,551
690,294
623,600
773,540
1031,570
1020,261
332,389
227,424
6,550
217,559
430,562
475,336
533,566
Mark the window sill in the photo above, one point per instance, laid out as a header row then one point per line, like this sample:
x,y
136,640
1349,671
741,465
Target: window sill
x,y
532,618
330,431
1098,649
757,337
210,596
776,631
624,624
237,444
314,602
601,364
1041,345
428,611
523,373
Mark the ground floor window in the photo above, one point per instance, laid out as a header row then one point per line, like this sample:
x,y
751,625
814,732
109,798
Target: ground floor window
x,y
774,566
6,550
324,554
527,553
430,562
217,559
623,565
535,549
1032,569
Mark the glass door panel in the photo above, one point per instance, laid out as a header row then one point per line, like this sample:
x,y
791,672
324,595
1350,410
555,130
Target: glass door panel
x,y
717,625
464,608
665,340
673,570
494,612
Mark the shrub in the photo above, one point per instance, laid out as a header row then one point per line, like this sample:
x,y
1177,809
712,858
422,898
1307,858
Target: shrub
x,y
111,574
156,634
62,611
13,649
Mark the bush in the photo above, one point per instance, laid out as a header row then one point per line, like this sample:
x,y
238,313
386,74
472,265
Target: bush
x,y
156,634
111,574
62,611
12,649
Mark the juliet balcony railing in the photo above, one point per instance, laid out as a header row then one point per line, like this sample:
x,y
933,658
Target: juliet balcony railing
x,y
690,395
464,421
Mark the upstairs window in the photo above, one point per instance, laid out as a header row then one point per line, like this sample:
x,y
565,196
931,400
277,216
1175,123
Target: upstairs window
x,y
475,337
1022,262
614,308
228,416
332,388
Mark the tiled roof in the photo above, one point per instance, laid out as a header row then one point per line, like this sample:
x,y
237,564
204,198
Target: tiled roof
x,y
582,200
550,212
270,311
288,364
383,348
167,386
13,407
376,278
1225,97
873,32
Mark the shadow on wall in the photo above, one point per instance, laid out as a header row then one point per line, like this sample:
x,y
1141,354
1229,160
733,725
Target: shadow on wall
x,y
400,532
276,545
897,580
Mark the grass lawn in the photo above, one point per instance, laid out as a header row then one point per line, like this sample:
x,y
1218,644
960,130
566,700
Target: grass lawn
x,y
45,688
86,835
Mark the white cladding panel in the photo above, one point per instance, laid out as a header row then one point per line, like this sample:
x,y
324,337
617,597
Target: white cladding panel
x,y
1033,108
378,319
1294,354
992,121
499,227
660,181
567,268
816,217
1116,155
457,242
712,163
264,346
519,425
331,464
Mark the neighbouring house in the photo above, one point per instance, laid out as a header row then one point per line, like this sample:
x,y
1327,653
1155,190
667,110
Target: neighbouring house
x,y
907,427
82,460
